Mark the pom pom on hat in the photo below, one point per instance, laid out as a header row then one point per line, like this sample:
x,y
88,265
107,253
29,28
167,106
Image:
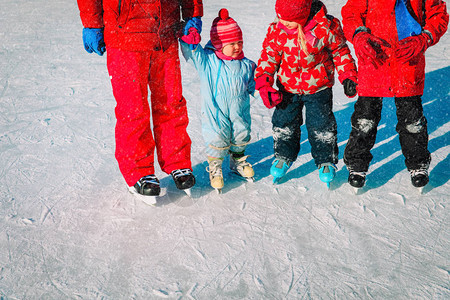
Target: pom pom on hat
x,y
223,14
224,30
293,10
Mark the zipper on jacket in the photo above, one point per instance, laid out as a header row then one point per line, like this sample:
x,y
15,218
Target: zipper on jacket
x,y
119,10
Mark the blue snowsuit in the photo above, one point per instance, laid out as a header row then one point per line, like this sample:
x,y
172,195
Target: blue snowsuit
x,y
226,86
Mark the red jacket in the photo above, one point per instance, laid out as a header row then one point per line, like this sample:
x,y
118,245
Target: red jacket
x,y
307,74
392,78
137,25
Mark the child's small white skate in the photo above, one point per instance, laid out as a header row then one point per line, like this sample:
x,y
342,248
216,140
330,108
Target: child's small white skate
x,y
242,167
215,173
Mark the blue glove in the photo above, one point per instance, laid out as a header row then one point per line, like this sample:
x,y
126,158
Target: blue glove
x,y
195,22
93,40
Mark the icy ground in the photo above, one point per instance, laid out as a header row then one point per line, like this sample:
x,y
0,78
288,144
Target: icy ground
x,y
69,229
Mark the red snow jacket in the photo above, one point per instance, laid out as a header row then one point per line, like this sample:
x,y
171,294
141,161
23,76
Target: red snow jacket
x,y
393,78
307,74
138,25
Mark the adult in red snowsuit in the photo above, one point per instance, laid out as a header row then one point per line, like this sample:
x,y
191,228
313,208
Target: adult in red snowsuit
x,y
391,65
142,51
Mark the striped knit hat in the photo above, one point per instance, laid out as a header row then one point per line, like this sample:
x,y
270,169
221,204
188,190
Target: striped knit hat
x,y
293,10
224,30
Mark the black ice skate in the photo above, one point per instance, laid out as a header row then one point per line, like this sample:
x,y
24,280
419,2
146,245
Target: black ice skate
x,y
184,179
356,179
419,177
149,187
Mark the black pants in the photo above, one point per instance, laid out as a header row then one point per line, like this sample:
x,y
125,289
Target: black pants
x,y
320,125
411,127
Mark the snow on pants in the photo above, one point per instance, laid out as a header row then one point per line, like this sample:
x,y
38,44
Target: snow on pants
x,y
411,127
226,127
131,74
320,124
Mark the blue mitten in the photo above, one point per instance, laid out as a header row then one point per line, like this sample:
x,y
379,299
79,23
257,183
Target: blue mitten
x,y
195,22
93,40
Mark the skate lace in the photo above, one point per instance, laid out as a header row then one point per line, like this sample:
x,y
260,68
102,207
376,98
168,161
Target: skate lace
x,y
149,179
241,163
421,171
215,168
362,173
181,172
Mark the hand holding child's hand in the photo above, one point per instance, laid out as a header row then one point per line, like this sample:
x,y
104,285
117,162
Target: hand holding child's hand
x,y
270,96
193,38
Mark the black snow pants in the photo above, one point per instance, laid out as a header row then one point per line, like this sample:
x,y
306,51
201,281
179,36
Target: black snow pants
x,y
320,125
411,128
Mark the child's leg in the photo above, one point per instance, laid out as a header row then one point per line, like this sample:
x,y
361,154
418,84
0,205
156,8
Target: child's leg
x,y
412,130
217,140
364,120
240,123
321,126
169,111
134,141
286,122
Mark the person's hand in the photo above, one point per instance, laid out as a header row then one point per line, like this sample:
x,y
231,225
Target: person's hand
x,y
193,38
270,96
350,87
195,22
93,40
368,49
413,46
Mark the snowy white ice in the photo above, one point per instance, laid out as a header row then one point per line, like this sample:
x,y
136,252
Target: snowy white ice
x,y
69,228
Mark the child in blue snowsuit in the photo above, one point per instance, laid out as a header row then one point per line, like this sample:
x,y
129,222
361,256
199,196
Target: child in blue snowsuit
x,y
227,82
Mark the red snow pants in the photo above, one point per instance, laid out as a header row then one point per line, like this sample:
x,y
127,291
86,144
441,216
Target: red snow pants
x,y
131,74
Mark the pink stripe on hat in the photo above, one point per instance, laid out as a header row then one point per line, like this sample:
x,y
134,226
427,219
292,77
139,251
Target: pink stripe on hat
x,y
224,30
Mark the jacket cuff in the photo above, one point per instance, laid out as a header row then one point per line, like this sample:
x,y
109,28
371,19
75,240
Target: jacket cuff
x,y
361,29
430,35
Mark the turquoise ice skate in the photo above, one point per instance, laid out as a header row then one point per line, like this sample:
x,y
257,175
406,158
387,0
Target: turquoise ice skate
x,y
279,169
327,171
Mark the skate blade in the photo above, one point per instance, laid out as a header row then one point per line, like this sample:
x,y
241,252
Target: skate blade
x,y
218,191
149,200
188,192
276,180
356,190
249,179
329,185
420,190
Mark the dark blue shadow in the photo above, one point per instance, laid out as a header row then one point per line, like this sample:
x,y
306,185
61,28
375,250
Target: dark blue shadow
x,y
435,102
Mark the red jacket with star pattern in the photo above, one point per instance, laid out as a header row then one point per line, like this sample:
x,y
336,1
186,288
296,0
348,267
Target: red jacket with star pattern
x,y
394,77
307,74
138,25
